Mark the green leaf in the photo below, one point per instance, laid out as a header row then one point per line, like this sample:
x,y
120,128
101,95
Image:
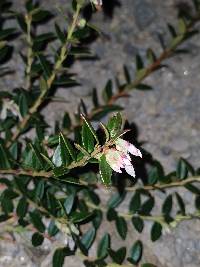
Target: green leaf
x,y
136,252
107,91
45,65
103,246
197,202
182,26
22,207
127,74
37,239
68,146
115,200
6,33
40,15
64,152
37,221
87,138
57,160
95,98
183,168
68,203
4,161
43,85
193,189
151,56
89,125
135,203
66,123
139,62
52,228
119,255
147,206
60,33
144,87
111,215
59,256
121,226
78,217
114,125
105,170
156,231
107,134
98,217
138,224
167,205
180,203
39,190
88,238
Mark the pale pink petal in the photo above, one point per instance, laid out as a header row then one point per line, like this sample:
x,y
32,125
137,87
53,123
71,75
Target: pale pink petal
x,y
134,151
127,161
130,170
122,145
114,159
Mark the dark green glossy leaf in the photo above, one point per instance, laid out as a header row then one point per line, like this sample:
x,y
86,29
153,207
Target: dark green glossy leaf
x,y
37,239
40,15
52,228
60,33
64,152
37,221
135,203
57,160
144,87
59,256
45,66
4,159
88,238
68,146
147,206
114,125
87,138
119,255
98,217
105,171
121,226
107,91
139,62
22,207
138,224
6,33
90,127
115,200
167,205
156,231
193,189
136,252
103,246
66,124
180,203
183,168
39,190
78,217
68,203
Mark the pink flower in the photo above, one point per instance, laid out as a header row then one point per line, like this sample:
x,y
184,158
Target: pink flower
x,y
126,147
118,158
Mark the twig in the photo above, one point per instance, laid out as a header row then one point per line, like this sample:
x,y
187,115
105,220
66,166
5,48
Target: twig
x,y
157,186
63,55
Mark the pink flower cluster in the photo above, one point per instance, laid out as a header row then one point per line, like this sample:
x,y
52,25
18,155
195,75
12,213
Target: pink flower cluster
x,y
119,158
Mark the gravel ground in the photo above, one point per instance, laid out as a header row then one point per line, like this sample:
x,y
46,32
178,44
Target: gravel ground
x,y
167,118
